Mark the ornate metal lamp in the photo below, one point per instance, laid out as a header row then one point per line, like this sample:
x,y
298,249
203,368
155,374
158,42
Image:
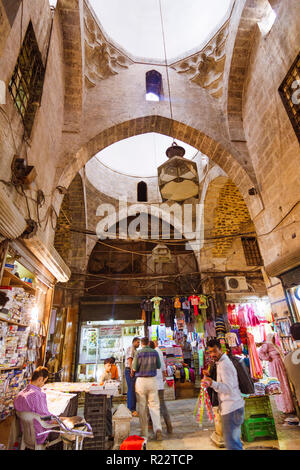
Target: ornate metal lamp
x,y
178,178
161,254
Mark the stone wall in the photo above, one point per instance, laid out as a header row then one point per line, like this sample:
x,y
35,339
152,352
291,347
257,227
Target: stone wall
x,y
272,142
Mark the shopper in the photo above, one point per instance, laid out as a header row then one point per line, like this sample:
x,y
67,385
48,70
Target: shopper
x,y
187,351
145,365
34,400
231,403
160,377
114,370
130,378
271,353
292,362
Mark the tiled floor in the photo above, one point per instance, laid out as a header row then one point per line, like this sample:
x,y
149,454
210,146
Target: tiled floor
x,y
188,436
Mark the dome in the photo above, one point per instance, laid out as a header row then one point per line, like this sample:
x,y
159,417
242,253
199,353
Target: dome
x,y
135,25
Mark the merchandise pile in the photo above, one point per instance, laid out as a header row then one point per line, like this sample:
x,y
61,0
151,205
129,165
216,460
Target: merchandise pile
x,y
10,385
19,306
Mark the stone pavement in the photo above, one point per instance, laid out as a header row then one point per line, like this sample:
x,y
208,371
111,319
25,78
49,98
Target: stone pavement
x,y
188,436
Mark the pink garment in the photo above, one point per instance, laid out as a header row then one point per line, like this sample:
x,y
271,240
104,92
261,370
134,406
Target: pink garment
x,y
252,318
243,317
269,353
33,399
232,315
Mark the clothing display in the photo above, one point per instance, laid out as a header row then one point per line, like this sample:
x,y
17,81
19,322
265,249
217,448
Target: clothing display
x,y
269,352
156,302
210,329
194,299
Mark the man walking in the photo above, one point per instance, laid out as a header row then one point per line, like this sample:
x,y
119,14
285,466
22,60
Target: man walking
x,y
160,377
130,378
231,402
145,365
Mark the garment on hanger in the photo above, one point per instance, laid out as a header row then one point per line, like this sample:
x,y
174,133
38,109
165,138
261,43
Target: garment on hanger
x,y
156,301
232,340
210,329
177,303
203,301
242,319
255,364
232,314
252,318
194,299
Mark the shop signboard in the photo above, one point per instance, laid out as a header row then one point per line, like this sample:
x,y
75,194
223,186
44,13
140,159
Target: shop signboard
x,y
111,330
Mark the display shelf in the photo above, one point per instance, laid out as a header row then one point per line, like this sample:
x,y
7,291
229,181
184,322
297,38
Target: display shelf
x,y
14,281
11,368
11,322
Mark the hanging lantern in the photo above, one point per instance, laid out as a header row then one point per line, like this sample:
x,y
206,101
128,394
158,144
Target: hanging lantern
x,y
178,177
161,254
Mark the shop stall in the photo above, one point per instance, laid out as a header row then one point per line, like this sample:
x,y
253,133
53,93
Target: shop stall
x,y
99,340
26,289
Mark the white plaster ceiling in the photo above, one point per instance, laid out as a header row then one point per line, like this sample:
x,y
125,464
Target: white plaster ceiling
x,y
135,25
141,155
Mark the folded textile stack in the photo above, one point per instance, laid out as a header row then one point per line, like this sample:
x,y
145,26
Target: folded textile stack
x,y
292,421
272,386
259,388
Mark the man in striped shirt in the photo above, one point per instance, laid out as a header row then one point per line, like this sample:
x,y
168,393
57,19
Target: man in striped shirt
x,y
145,365
34,400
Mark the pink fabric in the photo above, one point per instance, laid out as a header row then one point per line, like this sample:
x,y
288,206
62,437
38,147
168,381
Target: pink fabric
x,y
232,316
33,399
268,352
252,318
242,318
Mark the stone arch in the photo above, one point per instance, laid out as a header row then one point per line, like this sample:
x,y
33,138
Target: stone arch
x,y
194,137
251,14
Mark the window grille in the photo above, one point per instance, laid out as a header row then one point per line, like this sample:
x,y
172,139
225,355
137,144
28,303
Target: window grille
x,y
251,251
26,84
290,94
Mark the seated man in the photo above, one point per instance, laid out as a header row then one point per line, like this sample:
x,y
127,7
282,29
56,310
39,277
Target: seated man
x,y
114,369
34,400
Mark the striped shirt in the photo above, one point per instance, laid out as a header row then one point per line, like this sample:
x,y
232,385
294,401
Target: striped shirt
x,y
146,362
33,399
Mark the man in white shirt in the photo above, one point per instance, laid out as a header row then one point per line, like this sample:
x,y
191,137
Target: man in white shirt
x,y
292,364
231,402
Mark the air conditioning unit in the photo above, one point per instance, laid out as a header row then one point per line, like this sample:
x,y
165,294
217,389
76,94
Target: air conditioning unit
x,y
237,283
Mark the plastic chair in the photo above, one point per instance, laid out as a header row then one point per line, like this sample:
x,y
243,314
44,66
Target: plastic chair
x,y
28,431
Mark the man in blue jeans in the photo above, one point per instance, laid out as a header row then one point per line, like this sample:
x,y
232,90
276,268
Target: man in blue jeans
x,y
129,376
231,402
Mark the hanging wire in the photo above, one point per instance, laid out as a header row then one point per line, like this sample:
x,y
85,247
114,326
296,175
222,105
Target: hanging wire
x,y
167,68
